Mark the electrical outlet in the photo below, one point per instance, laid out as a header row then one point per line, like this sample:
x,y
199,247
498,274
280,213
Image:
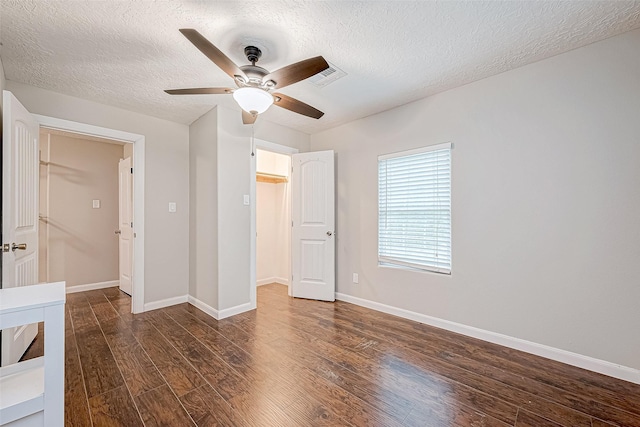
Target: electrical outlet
x,y
355,277
173,207
96,204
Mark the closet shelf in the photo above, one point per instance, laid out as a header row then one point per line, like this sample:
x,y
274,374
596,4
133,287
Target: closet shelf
x,y
271,178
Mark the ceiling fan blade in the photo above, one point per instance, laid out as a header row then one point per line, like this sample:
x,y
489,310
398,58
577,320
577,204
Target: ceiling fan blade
x,y
296,106
248,118
212,52
200,91
294,73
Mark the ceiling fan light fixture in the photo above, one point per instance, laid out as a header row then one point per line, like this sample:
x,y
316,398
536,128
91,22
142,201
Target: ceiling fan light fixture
x,y
253,100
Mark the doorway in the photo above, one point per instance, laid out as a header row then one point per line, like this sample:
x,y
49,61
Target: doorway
x,y
312,220
271,199
79,210
273,218
135,143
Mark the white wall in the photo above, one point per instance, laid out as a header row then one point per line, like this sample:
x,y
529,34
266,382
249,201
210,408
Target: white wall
x,y
272,163
220,162
265,232
166,178
546,206
127,151
234,164
203,211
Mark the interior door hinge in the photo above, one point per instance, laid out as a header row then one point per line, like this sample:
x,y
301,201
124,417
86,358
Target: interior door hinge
x,y
131,170
132,225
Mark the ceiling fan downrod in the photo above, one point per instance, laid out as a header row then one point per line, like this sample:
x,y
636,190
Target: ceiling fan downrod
x,y
253,54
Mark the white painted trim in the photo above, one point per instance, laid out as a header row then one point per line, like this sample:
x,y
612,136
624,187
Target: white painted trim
x,y
138,142
275,148
262,282
85,129
232,311
154,305
559,355
282,281
268,280
45,211
219,314
92,286
203,306
443,146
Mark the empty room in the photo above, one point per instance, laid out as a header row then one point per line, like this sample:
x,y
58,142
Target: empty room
x,y
306,213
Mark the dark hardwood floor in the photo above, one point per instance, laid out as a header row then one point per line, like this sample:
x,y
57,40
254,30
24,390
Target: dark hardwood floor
x,y
297,362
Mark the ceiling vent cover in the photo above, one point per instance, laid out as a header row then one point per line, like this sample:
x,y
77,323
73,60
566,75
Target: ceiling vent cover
x,y
327,76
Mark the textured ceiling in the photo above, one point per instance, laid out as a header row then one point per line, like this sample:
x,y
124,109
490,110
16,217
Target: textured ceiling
x,y
124,53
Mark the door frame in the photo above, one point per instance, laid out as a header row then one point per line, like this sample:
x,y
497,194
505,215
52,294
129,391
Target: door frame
x,y
274,148
138,141
125,229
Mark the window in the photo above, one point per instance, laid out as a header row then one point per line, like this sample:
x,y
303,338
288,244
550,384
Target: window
x,y
414,209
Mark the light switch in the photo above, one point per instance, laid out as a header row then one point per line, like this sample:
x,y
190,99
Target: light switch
x,y
246,200
172,207
96,204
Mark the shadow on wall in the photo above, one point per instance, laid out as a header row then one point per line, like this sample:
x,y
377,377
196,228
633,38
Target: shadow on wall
x,y
71,238
69,174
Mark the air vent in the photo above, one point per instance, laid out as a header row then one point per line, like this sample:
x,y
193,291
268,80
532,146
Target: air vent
x,y
327,76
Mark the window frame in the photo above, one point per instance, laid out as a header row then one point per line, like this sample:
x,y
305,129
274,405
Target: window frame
x,y
385,261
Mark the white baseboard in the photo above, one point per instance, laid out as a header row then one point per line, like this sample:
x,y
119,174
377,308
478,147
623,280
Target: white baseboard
x,y
219,314
92,286
204,307
262,282
154,305
559,355
269,280
232,311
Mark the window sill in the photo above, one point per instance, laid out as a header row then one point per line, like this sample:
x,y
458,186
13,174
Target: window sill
x,y
417,270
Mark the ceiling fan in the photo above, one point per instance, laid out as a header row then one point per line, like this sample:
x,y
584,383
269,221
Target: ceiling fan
x,y
254,83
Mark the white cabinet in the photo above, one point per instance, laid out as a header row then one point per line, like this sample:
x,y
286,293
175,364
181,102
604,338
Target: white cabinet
x,y
24,385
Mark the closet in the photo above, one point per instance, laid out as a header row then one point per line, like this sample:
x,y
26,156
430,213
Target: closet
x,y
79,202
273,218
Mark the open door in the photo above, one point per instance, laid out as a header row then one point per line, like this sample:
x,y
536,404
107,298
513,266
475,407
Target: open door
x,y
125,221
20,185
313,226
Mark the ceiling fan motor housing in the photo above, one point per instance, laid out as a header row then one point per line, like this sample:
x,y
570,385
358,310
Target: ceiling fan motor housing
x,y
254,74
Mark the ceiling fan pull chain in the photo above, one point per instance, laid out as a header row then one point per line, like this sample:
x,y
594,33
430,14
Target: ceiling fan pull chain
x,y
253,141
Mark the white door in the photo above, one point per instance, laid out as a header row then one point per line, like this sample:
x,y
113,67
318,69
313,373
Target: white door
x,y
125,221
313,226
20,181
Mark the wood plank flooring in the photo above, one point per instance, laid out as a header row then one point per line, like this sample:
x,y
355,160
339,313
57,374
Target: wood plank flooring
x,y
297,362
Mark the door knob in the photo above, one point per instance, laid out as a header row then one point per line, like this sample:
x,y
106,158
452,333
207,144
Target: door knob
x,y
118,231
329,233
21,246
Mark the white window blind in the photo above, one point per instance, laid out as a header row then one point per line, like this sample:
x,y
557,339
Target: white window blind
x,y
414,209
